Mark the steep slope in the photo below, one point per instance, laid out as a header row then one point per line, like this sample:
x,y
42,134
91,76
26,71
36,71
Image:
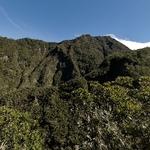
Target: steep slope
x,y
28,62
125,63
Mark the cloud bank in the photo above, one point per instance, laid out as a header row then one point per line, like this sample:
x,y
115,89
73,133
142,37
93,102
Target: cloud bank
x,y
131,44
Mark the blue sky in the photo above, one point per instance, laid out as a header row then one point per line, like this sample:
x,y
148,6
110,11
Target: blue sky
x,y
56,20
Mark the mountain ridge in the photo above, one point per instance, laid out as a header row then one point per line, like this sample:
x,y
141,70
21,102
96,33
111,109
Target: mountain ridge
x,y
45,62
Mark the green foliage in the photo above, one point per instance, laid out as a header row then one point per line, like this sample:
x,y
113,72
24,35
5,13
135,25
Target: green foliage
x,y
108,115
129,108
19,130
119,96
87,93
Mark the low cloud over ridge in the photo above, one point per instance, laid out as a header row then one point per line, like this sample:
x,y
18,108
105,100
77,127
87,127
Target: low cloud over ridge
x,y
131,44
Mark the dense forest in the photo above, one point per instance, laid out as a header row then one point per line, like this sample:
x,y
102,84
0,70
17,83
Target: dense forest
x,y
89,93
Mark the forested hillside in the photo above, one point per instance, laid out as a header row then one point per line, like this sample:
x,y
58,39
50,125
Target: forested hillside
x,y
89,93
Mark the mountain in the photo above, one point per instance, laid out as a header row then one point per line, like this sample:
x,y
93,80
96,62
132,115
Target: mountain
x,y
28,62
89,93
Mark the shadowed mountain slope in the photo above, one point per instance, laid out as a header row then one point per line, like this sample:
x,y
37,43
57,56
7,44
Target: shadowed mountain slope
x,y
28,62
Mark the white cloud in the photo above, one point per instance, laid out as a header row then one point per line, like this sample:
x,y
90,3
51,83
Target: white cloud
x,y
131,44
9,19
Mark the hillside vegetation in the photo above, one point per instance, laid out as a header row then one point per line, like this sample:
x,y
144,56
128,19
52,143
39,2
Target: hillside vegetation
x,y
89,93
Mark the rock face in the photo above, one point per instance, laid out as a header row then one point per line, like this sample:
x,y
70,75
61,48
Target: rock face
x,y
28,62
